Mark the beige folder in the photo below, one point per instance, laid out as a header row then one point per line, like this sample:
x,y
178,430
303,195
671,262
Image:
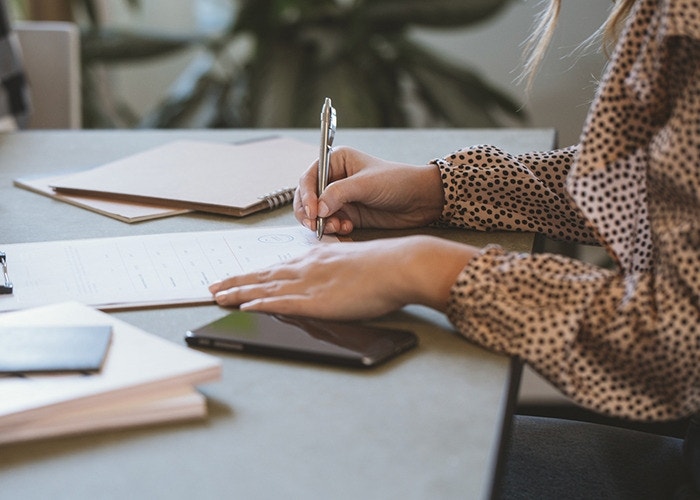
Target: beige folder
x,y
230,179
124,211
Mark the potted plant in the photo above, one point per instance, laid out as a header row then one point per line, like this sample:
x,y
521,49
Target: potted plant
x,y
274,63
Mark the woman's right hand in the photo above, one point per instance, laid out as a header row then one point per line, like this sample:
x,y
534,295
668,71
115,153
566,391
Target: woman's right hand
x,y
365,191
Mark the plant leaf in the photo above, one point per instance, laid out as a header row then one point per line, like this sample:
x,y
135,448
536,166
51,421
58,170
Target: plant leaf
x,y
357,52
187,93
112,46
101,109
435,75
444,100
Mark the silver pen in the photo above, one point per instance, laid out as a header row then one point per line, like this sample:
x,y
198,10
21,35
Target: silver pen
x,y
328,123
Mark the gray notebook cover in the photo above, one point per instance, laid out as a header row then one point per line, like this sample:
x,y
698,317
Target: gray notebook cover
x,y
40,349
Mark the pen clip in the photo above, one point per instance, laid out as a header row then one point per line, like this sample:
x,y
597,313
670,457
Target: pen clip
x,y
332,120
6,287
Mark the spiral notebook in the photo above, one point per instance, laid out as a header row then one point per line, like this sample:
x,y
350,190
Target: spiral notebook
x,y
229,179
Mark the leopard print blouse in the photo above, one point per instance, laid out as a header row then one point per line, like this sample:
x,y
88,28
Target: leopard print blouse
x,y
622,341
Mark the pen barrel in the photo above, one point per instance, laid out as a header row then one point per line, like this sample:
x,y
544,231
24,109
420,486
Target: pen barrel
x,y
328,121
325,148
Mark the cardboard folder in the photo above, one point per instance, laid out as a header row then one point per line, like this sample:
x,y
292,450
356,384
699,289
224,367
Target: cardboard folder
x,y
229,179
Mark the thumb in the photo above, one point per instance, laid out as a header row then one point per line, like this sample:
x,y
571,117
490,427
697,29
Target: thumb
x,y
340,193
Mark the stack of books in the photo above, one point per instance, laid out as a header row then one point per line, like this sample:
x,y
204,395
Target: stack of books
x,y
144,380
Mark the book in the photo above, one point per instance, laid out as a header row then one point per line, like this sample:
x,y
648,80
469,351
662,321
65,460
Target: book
x,y
145,379
230,179
123,211
189,405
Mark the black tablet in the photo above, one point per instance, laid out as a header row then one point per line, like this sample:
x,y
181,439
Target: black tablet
x,y
345,343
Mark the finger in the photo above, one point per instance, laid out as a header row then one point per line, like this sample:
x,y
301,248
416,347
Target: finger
x,y
344,192
306,192
242,294
302,305
301,212
338,225
345,226
297,305
341,159
277,273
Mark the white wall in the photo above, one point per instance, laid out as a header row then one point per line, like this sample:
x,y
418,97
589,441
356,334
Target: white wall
x,y
565,84
563,89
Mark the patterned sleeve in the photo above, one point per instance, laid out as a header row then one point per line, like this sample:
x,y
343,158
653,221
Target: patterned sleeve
x,y
620,341
607,339
589,331
489,189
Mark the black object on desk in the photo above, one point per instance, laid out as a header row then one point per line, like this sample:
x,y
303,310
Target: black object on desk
x,y
6,284
335,342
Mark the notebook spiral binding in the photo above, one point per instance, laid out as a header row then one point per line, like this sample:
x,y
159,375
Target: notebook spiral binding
x,y
280,197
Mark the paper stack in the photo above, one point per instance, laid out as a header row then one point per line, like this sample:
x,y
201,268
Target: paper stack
x,y
144,380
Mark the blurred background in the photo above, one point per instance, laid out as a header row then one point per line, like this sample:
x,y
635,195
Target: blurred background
x,y
385,63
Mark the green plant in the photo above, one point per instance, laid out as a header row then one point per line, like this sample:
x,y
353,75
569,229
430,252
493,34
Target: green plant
x,y
278,59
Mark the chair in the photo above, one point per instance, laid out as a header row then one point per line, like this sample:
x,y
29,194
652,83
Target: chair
x,y
51,58
552,458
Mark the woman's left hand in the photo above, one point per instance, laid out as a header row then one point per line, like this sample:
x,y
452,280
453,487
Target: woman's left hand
x,y
351,280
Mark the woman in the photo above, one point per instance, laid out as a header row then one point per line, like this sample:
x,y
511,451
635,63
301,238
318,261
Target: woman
x,y
622,342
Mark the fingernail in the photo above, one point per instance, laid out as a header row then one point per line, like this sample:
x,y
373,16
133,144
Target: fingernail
x,y
306,210
323,210
306,223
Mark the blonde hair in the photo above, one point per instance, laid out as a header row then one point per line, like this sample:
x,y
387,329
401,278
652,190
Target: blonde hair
x,y
537,43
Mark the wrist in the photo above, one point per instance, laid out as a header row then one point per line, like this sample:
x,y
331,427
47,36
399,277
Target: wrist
x,y
433,265
431,190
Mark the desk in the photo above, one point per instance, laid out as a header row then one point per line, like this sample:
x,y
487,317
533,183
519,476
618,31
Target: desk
x,y
427,425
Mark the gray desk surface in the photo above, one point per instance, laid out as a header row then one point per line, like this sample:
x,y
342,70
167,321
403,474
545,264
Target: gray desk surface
x,y
426,425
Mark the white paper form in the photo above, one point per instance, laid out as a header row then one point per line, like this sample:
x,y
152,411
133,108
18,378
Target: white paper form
x,y
144,270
